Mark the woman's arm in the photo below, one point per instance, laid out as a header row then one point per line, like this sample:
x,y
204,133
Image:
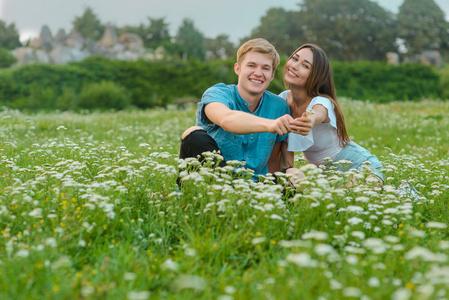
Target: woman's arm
x,y
305,123
287,159
273,161
280,158
320,115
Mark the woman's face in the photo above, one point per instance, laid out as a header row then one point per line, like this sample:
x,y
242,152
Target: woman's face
x,y
298,68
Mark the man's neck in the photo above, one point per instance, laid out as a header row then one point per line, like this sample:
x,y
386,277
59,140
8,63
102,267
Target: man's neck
x,y
253,100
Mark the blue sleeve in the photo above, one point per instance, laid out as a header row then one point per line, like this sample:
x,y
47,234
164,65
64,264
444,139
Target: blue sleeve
x,y
217,93
281,138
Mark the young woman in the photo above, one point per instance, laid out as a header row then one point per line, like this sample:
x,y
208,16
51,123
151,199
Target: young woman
x,y
308,76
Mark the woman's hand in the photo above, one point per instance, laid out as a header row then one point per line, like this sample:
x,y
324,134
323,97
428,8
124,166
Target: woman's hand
x,y
303,124
308,119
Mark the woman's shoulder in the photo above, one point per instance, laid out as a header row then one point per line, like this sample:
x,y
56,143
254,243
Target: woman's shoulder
x,y
329,105
321,100
284,94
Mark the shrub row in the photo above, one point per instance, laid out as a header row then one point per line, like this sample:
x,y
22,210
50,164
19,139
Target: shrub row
x,y
6,58
102,83
140,83
380,82
444,82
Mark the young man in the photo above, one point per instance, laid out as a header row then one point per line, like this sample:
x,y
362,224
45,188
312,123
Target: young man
x,y
244,121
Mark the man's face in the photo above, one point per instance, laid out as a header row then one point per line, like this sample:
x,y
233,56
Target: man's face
x,y
255,74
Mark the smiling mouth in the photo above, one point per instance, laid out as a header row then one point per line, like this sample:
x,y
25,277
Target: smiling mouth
x,y
256,81
292,74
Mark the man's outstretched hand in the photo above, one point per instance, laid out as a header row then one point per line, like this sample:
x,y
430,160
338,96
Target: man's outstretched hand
x,y
281,125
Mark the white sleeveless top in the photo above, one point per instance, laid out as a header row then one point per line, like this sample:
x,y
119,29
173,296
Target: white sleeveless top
x,y
322,141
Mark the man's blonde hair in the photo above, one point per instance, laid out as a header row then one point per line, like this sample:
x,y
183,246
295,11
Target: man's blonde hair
x,y
261,46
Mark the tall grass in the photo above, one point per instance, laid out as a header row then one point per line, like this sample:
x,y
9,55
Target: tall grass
x,y
90,209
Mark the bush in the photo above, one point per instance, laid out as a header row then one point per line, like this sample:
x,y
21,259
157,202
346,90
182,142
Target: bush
x,y
9,87
103,95
68,100
39,86
154,83
39,99
147,84
6,58
380,82
444,82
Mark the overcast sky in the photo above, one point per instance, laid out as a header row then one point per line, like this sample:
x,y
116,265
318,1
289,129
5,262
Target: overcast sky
x,y
235,18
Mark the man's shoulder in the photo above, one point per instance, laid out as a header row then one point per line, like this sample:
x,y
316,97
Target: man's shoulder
x,y
219,93
221,88
275,99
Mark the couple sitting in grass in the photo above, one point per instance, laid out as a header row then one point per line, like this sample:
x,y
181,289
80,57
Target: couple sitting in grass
x,y
245,122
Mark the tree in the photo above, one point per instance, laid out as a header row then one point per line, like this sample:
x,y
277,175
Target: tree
x,y
88,25
219,48
422,26
190,41
6,58
348,30
158,34
153,35
278,27
9,36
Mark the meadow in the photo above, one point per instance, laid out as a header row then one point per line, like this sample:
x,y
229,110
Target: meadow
x,y
90,209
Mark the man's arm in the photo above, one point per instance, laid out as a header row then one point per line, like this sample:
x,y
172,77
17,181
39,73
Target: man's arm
x,y
240,122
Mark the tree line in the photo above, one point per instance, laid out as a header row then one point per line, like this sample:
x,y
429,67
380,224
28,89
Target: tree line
x,y
347,30
358,30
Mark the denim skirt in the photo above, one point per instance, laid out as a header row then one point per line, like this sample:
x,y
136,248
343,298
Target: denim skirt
x,y
358,155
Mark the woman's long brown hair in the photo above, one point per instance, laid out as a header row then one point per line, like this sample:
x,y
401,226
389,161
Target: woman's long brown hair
x,y
321,83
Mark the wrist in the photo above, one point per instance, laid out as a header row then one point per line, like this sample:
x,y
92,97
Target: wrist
x,y
284,170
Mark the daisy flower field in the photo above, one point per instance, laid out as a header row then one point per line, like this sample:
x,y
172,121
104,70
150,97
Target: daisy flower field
x,y
90,209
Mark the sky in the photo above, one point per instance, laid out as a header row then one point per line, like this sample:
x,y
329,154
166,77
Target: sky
x,y
236,18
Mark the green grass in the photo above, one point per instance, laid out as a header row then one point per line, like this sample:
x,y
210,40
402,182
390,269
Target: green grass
x,y
89,209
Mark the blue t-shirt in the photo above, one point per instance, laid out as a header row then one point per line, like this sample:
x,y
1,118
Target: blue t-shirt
x,y
255,149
